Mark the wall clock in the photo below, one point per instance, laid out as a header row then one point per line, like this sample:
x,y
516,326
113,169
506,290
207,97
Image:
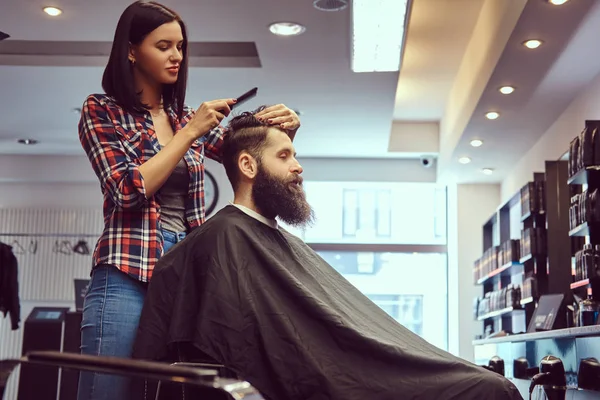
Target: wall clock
x,y
211,192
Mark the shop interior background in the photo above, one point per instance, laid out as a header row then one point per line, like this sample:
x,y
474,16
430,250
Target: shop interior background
x,y
402,167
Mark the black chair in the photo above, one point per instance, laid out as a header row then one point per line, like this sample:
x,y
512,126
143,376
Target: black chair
x,y
205,381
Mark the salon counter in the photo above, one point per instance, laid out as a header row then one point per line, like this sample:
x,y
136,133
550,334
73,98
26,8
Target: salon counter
x,y
555,334
571,345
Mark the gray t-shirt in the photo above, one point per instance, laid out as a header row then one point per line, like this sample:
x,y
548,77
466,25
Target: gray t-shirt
x,y
172,196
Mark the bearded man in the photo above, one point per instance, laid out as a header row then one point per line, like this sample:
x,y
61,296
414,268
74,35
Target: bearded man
x,y
245,293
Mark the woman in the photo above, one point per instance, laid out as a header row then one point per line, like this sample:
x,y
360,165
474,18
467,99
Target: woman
x,y
147,149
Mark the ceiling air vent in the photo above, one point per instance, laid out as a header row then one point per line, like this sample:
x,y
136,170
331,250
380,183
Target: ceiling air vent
x,y
330,5
4,35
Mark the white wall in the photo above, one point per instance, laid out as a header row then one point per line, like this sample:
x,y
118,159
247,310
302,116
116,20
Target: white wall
x,y
49,181
469,206
555,142
57,182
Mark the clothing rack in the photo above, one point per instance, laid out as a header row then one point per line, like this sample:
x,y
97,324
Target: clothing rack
x,y
60,246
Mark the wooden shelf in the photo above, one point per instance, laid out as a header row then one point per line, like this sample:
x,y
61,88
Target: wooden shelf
x,y
580,230
529,214
500,271
527,300
580,331
526,258
579,284
499,313
581,177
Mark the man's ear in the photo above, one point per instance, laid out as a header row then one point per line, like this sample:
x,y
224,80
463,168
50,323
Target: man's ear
x,y
247,165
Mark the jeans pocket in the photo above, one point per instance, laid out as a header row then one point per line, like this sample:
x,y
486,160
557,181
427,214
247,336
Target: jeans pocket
x,y
169,240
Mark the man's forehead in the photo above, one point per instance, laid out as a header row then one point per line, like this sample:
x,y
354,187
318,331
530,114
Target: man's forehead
x,y
279,139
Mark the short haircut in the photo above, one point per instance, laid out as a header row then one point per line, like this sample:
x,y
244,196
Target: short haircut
x,y
136,22
244,133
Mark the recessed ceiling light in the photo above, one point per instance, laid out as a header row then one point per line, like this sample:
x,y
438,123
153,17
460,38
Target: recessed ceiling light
x,y
492,115
28,141
506,89
464,160
476,142
557,2
532,43
286,29
52,11
488,171
330,5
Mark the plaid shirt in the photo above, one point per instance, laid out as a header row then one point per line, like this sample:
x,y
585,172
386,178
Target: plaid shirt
x,y
117,143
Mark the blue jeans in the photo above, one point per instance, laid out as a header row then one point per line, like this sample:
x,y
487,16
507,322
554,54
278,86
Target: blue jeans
x,y
111,312
171,239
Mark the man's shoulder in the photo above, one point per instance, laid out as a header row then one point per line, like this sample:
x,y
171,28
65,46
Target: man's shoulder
x,y
227,220
226,231
295,240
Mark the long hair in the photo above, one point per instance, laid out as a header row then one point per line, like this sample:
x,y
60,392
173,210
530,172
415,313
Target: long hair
x,y
136,22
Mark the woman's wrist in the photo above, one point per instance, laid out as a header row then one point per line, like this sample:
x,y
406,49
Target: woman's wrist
x,y
188,135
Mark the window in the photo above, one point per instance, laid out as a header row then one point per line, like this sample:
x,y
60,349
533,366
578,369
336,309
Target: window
x,y
351,213
389,241
365,212
440,213
407,310
410,287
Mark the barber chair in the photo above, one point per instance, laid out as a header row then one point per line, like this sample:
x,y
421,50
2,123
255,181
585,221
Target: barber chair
x,y
184,354
205,382
170,391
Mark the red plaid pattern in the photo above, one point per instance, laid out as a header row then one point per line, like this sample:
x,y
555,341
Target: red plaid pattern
x,y
117,143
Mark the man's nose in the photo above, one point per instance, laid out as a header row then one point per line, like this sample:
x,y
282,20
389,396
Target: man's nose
x,y
297,169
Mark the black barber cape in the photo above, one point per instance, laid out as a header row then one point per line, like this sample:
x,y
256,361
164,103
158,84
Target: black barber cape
x,y
261,302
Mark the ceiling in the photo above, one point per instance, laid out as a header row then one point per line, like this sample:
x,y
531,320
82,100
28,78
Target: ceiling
x,y
457,54
547,80
310,72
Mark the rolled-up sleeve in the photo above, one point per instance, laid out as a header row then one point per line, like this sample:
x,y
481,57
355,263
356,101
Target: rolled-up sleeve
x,y
214,143
213,140
119,178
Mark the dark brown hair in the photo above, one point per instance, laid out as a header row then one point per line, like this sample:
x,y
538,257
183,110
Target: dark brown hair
x,y
136,22
244,133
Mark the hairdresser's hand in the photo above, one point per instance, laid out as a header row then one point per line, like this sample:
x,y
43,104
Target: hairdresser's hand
x,y
281,116
208,116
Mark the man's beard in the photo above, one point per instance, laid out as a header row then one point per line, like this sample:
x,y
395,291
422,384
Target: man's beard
x,y
275,197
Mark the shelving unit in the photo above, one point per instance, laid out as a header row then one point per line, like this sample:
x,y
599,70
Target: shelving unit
x,y
584,178
498,268
563,233
523,244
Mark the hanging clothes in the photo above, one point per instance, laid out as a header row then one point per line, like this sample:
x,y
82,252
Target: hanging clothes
x,y
9,285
